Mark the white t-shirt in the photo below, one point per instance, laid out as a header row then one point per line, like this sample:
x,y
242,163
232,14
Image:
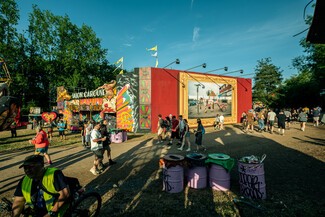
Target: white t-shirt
x,y
271,116
95,134
221,118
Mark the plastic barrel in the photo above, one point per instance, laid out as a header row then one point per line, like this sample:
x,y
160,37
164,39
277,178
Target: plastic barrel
x,y
252,180
173,179
117,137
125,136
219,178
197,177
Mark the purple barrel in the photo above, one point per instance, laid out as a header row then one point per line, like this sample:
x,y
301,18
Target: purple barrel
x,y
117,137
173,179
197,177
196,173
252,180
219,178
173,173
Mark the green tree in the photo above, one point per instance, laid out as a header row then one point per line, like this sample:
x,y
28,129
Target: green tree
x,y
267,81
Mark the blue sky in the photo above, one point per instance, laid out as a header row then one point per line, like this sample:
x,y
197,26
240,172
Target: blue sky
x,y
232,33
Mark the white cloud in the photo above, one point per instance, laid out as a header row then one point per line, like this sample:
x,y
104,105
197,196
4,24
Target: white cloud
x,y
196,33
192,2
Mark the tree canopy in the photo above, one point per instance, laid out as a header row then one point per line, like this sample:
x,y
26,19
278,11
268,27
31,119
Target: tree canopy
x,y
51,52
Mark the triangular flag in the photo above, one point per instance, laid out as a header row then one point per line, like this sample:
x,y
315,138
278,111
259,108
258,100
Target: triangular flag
x,y
121,72
119,61
155,54
155,48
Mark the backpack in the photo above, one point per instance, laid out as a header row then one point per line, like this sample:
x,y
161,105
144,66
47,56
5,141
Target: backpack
x,y
203,130
164,124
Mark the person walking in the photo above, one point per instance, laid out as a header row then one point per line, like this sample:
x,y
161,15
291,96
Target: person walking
x,y
160,129
217,122
50,129
89,127
260,120
250,121
35,187
221,122
199,135
288,118
316,114
303,118
96,142
186,138
243,120
41,143
13,129
281,122
61,127
181,129
106,144
175,133
271,115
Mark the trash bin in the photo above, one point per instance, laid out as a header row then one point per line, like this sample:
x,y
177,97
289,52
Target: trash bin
x,y
173,173
196,172
251,177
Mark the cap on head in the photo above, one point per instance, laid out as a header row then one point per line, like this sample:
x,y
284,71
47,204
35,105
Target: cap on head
x,y
33,159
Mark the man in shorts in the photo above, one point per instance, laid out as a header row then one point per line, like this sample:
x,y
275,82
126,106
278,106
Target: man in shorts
x,y
96,147
106,144
271,118
41,143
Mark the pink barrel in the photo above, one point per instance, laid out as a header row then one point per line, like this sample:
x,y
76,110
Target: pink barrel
x,y
219,178
252,180
117,137
173,179
124,136
197,177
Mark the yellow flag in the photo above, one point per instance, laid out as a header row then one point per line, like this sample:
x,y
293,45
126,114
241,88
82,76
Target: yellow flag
x,y
121,72
155,48
119,61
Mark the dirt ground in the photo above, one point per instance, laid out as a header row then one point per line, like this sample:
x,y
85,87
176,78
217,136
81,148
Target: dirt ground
x,y
294,174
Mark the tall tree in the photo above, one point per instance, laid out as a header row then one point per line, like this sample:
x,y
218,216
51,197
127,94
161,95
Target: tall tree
x,y
267,80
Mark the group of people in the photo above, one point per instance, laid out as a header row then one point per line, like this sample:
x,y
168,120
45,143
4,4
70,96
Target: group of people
x,y
45,189
172,128
219,121
267,118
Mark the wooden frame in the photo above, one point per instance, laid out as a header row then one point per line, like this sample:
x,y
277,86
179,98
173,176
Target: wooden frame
x,y
209,98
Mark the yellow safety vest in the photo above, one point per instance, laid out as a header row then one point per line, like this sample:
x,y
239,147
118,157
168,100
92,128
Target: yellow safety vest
x,y
48,183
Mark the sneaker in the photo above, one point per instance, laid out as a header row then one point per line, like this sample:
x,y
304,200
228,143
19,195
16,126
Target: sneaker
x,y
93,171
188,149
157,142
181,149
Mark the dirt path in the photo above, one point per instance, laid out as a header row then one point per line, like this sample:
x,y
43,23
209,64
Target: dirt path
x,y
294,171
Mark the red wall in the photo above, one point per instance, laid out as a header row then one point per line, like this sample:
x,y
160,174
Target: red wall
x,y
244,99
164,94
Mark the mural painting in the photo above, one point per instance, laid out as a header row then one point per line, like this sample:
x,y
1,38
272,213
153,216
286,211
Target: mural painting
x,y
208,101
204,96
127,106
145,98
